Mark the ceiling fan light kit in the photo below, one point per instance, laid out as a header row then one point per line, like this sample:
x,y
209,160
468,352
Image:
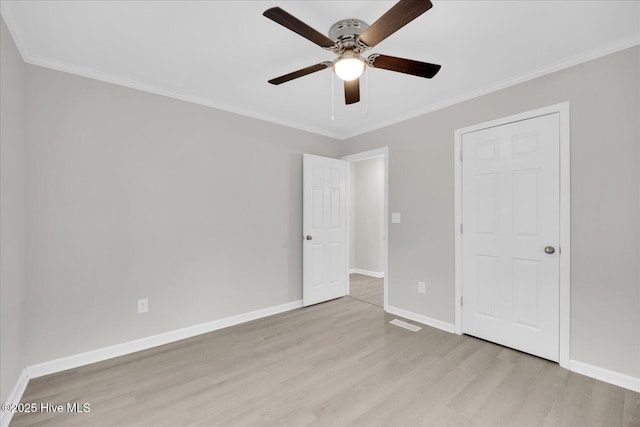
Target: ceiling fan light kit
x,y
349,38
349,66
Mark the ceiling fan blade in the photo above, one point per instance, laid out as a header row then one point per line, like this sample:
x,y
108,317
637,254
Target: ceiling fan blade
x,y
401,65
300,73
352,91
289,21
397,17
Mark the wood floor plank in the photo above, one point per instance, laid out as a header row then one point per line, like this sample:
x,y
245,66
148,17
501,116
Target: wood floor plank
x,y
631,411
367,289
337,363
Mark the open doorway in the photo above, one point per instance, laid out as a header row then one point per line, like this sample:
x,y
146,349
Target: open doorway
x,y
367,226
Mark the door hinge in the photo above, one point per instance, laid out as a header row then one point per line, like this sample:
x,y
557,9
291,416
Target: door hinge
x,y
461,301
460,228
460,155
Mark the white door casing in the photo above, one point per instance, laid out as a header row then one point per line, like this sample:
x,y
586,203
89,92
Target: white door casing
x,y
371,154
510,198
563,250
324,212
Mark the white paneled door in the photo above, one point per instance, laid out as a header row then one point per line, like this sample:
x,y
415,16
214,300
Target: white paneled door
x,y
510,235
324,212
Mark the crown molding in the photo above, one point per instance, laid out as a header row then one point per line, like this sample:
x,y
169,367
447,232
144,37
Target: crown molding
x,y
122,81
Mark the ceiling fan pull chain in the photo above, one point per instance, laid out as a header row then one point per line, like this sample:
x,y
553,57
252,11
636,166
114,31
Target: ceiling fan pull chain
x,y
332,98
366,91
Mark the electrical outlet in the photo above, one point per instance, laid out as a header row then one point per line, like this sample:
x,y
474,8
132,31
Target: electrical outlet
x,y
143,305
421,287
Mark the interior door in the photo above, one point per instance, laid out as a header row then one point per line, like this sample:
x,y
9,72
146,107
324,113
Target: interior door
x,y
324,256
511,230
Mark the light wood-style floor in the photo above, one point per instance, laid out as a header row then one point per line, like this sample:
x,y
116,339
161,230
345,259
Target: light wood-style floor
x,y
367,289
334,364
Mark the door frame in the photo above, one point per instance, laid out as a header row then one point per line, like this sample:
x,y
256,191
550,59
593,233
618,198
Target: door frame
x,y
366,155
563,109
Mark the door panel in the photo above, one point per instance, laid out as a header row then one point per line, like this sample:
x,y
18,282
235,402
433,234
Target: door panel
x,y
324,221
511,212
487,285
488,203
525,202
525,292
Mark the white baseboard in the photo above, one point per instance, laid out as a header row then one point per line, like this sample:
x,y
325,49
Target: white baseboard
x,y
439,324
14,397
378,274
74,361
611,377
93,356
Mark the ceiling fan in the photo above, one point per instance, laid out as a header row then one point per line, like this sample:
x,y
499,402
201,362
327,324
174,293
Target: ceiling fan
x,y
349,38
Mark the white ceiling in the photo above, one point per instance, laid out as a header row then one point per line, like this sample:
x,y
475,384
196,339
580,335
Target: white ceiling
x,y
221,53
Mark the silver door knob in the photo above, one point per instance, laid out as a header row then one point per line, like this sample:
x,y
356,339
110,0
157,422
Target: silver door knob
x,y
549,250
308,237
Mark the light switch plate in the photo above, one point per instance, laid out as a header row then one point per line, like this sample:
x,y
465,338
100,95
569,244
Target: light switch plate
x,y
421,287
143,305
395,218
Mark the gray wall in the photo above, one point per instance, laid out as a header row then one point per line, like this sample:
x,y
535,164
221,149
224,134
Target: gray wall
x,y
12,212
605,136
367,215
133,195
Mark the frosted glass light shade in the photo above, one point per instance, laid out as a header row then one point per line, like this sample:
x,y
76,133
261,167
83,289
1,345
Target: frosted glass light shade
x,y
349,68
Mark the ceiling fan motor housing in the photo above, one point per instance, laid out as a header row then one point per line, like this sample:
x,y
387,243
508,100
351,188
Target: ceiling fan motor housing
x,y
346,32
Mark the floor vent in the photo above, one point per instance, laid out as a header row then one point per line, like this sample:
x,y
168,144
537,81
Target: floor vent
x,y
405,325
